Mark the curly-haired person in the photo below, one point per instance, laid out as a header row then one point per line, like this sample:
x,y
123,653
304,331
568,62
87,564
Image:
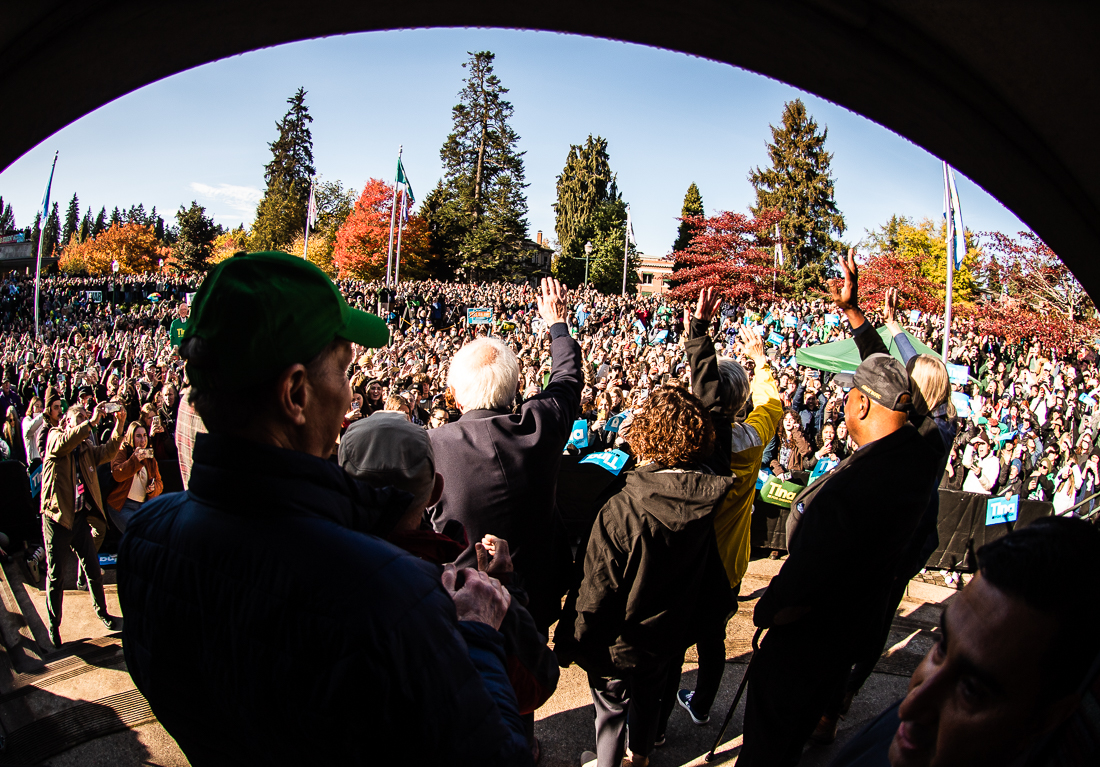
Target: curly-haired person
x,y
650,569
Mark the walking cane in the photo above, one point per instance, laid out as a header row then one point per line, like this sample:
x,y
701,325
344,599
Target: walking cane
x,y
737,697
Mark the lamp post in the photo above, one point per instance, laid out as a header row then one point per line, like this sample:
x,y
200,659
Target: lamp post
x,y
114,268
588,248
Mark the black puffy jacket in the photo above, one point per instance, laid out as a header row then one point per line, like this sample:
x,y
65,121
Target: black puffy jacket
x,y
263,629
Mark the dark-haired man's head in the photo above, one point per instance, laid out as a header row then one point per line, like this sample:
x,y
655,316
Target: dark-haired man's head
x,y
1018,644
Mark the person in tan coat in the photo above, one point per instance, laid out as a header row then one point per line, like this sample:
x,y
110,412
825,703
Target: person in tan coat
x,y
70,491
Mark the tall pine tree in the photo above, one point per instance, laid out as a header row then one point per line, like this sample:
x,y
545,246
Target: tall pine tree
x,y
588,203
100,224
693,206
52,232
72,221
800,184
281,214
195,241
7,217
483,177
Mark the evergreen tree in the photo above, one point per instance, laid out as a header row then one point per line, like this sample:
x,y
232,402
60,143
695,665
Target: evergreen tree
x,y
886,238
116,218
281,214
33,232
693,206
136,215
72,221
605,271
484,174
100,224
7,217
799,183
588,203
195,238
51,232
85,226
446,228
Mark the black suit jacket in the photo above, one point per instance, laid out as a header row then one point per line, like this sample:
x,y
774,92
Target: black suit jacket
x,y
500,471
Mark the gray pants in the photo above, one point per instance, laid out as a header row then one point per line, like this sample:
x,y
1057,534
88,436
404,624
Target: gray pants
x,y
79,539
636,699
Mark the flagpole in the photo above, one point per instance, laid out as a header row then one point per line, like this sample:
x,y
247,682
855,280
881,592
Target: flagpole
x,y
309,215
393,216
626,247
400,228
41,238
949,214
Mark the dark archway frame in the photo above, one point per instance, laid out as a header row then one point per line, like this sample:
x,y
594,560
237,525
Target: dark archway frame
x,y
1004,90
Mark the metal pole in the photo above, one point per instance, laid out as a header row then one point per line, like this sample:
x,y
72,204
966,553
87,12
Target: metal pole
x,y
41,237
626,247
400,228
393,216
950,264
586,269
305,247
737,697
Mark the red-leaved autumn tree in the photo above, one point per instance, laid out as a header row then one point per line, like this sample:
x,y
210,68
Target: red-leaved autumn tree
x,y
1027,270
906,273
731,251
362,242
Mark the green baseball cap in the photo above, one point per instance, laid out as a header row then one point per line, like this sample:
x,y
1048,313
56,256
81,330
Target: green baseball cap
x,y
260,312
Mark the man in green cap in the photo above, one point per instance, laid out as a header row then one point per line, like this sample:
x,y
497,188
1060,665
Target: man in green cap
x,y
246,650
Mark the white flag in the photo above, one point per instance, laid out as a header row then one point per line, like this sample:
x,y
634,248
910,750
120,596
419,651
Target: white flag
x,y
952,213
311,211
630,229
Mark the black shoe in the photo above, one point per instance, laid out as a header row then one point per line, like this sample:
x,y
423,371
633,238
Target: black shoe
x,y
55,635
81,582
112,623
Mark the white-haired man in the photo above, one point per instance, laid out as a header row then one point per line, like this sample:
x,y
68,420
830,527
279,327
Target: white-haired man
x,y
502,466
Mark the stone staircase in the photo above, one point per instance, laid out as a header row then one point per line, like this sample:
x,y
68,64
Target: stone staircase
x,y
74,705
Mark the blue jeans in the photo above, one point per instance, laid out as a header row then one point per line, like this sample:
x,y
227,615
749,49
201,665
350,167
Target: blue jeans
x,y
121,517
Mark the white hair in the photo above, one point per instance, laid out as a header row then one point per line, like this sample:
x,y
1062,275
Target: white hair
x,y
733,386
484,374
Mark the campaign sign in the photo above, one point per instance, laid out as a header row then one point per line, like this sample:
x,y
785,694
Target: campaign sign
x,y
832,319
579,436
108,560
612,460
823,465
762,476
615,422
36,481
790,321
191,298
1087,400
962,404
660,337
958,374
760,330
480,315
95,296
780,493
775,338
914,315
999,510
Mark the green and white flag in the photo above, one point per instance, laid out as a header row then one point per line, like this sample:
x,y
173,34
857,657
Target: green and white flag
x,y
403,179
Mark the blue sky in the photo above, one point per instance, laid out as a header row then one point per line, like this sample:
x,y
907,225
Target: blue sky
x,y
670,119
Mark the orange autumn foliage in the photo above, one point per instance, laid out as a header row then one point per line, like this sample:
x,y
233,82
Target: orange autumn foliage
x,y
134,246
363,240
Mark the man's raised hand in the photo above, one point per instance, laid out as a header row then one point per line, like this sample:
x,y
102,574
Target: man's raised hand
x,y
709,301
845,292
551,301
890,305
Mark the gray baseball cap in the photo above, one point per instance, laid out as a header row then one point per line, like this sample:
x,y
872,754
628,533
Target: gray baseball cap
x,y
386,450
882,379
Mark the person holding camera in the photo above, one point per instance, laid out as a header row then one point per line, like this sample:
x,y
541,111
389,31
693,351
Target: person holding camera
x,y
983,466
135,470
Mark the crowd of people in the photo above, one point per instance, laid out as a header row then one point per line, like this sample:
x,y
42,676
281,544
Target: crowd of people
x,y
459,424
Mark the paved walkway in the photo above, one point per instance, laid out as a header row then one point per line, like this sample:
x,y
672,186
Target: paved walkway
x,y
78,706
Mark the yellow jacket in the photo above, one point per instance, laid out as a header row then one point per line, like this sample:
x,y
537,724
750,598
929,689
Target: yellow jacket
x,y
731,523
